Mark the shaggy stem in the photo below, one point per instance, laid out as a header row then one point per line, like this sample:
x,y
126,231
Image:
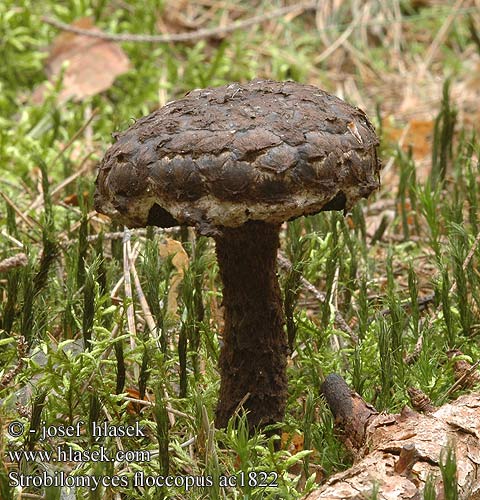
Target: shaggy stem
x,y
254,354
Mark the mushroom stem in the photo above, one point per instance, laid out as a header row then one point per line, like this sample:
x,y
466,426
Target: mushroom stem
x,y
253,358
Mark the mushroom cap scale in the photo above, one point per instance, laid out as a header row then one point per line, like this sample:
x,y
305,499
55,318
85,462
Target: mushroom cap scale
x,y
264,150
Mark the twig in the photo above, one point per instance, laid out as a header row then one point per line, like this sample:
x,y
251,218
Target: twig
x,y
421,301
19,260
331,48
75,136
182,37
320,296
9,237
39,200
133,255
418,347
27,219
362,61
414,355
116,235
382,227
460,381
188,442
128,294
240,404
465,264
169,409
439,38
105,354
335,339
168,406
141,298
119,446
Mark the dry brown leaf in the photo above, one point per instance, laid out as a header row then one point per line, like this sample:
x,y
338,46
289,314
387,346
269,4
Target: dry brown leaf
x,y
175,18
293,442
93,64
419,137
170,247
134,408
72,199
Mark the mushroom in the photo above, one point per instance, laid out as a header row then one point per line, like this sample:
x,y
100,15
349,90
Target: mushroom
x,y
235,162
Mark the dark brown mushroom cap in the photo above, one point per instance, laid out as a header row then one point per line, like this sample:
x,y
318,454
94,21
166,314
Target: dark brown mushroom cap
x,y
265,150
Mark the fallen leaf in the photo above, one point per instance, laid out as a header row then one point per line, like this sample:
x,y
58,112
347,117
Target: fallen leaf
x,y
72,199
419,136
170,247
134,408
175,17
93,64
292,442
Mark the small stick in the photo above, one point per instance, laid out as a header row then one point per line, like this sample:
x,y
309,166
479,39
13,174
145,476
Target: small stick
x,y
116,288
418,347
119,445
128,294
465,376
336,341
168,406
105,354
421,301
144,402
28,220
439,39
331,48
182,37
118,235
76,135
19,260
11,238
320,296
188,442
240,404
39,200
141,297
413,356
